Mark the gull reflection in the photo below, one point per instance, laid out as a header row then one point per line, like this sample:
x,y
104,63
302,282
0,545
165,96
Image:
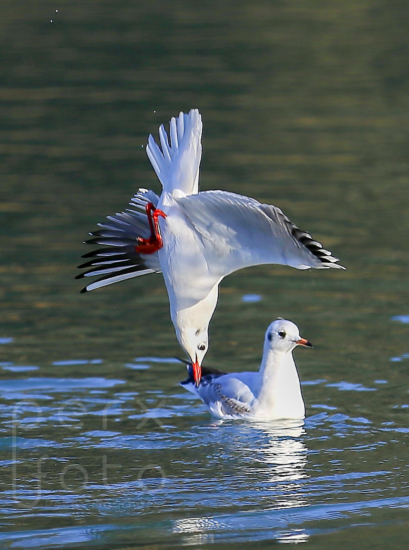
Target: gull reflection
x,y
284,451
293,537
273,458
197,529
285,455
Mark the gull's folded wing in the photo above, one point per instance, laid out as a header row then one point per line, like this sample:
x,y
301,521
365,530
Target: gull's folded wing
x,y
227,394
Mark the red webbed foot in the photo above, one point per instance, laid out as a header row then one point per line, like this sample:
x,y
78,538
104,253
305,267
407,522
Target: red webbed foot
x,y
154,243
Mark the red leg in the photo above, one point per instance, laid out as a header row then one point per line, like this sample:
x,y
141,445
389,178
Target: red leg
x,y
154,243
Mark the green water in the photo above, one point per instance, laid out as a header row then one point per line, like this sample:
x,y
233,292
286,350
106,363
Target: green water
x,y
305,106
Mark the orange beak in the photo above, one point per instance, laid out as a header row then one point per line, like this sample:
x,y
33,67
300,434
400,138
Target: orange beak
x,y
304,342
197,372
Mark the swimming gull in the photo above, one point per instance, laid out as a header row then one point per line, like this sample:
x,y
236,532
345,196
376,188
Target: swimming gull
x,y
272,393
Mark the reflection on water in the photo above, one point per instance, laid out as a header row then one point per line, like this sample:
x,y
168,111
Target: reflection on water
x,y
294,537
256,480
284,457
401,318
95,447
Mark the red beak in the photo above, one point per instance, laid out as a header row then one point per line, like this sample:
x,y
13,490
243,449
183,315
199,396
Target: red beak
x,y
197,372
304,342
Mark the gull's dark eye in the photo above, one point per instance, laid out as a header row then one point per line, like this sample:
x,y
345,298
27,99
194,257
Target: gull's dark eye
x,y
202,347
281,333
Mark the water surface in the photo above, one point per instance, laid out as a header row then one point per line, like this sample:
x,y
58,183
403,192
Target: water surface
x,y
305,107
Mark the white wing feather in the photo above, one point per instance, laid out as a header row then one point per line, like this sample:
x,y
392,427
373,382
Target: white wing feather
x,y
239,232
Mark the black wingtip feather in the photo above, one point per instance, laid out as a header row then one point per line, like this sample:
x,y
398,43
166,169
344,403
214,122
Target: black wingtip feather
x,y
111,261
111,241
206,371
102,252
302,237
316,248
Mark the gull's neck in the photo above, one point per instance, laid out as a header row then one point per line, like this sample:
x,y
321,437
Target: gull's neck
x,y
279,392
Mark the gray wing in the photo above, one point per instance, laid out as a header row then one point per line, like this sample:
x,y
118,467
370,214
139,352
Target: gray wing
x,y
231,406
233,394
239,232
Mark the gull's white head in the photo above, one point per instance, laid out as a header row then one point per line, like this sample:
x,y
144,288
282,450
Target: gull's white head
x,y
195,342
283,336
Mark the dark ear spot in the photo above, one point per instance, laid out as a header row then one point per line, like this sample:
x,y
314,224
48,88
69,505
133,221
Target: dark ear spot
x,y
269,336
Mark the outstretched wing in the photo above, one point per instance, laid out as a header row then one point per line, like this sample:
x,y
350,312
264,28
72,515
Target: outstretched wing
x,y
239,232
120,261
